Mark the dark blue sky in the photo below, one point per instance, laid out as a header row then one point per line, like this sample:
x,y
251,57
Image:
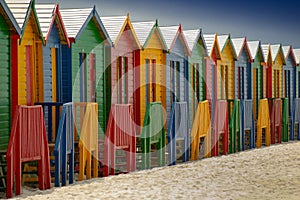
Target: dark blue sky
x,y
268,21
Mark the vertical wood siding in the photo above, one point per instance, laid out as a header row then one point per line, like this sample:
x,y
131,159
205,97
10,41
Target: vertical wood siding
x,y
4,83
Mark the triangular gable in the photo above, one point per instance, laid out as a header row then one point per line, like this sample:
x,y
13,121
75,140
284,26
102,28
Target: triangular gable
x,y
212,45
288,52
267,53
22,11
76,21
10,20
193,37
255,48
115,27
239,45
145,30
276,50
171,34
49,14
224,40
297,55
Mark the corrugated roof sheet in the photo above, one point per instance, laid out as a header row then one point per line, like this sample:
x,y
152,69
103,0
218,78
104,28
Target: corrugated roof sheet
x,y
191,37
275,48
169,33
297,55
113,26
45,13
238,44
253,48
222,39
209,41
74,19
265,48
286,50
142,30
12,21
19,10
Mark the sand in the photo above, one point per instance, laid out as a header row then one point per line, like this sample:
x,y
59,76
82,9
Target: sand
x,y
265,173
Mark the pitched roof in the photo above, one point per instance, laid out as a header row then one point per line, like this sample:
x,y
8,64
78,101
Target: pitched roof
x,y
276,49
266,51
9,16
143,30
223,41
113,26
297,55
254,47
76,20
192,38
211,40
21,11
169,33
288,51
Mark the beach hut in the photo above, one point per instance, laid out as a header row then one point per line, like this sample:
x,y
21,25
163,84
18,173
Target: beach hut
x,y
225,69
9,35
123,58
257,57
212,61
297,76
56,40
278,61
242,80
151,81
288,75
267,71
30,53
177,79
197,86
90,80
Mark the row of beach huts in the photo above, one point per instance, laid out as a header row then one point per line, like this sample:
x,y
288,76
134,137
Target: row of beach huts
x,y
136,86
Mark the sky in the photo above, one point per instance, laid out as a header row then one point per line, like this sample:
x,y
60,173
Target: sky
x,y
269,21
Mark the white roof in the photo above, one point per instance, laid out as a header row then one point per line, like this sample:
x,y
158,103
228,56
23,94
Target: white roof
x,y
209,41
253,48
222,39
74,19
191,37
113,26
274,50
169,33
19,10
142,30
297,55
265,48
286,50
45,13
238,44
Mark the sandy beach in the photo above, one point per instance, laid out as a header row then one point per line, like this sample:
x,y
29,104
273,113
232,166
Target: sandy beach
x,y
265,173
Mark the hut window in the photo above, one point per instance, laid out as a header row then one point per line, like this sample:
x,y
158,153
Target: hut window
x,y
150,80
196,80
241,84
122,79
92,76
172,82
153,71
83,77
29,78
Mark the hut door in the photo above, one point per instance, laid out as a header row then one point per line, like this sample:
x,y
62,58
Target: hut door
x,y
150,80
83,77
54,69
172,82
287,86
241,84
92,76
29,76
195,84
122,80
